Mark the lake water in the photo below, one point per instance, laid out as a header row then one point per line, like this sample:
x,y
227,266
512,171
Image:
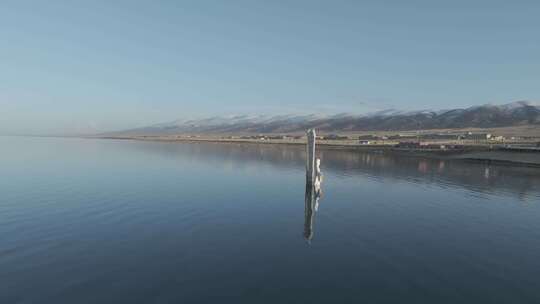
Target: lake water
x,y
104,221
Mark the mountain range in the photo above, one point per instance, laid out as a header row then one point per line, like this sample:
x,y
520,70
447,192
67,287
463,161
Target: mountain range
x,y
484,116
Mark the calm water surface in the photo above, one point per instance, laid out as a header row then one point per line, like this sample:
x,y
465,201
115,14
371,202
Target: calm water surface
x,y
102,221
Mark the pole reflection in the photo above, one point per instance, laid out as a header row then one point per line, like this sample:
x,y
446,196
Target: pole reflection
x,y
312,197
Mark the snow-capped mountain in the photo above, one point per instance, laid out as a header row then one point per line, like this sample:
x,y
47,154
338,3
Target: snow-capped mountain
x,y
484,116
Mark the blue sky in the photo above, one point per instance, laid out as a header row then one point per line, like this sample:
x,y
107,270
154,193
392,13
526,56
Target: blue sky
x,y
84,66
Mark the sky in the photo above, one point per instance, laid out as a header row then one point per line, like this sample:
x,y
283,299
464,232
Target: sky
x,y
73,67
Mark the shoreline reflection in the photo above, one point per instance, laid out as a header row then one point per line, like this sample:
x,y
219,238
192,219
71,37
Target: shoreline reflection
x,y
479,177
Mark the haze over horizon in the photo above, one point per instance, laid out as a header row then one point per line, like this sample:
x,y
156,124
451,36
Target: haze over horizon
x,y
91,67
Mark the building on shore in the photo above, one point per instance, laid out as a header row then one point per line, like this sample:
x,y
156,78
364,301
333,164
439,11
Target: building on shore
x,y
477,136
498,138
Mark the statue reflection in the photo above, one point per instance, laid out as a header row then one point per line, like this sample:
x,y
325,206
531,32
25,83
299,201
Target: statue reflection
x,y
313,193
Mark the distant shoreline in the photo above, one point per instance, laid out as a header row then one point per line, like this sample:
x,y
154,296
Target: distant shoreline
x,y
476,153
